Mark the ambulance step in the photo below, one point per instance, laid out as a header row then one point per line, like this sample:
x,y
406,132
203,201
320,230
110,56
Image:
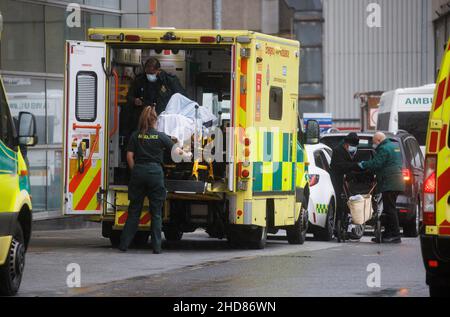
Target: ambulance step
x,y
186,186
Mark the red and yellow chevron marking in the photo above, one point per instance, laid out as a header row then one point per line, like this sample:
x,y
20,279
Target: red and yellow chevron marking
x,y
242,110
84,187
121,218
438,144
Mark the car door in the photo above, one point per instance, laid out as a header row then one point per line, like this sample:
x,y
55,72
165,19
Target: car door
x,y
321,192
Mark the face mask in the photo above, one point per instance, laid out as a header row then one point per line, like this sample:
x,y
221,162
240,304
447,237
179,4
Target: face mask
x,y
375,146
352,149
152,77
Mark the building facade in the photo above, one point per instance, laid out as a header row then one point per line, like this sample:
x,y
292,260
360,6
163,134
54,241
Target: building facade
x,y
32,65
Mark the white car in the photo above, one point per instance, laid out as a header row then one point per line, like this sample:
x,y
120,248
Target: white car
x,y
322,201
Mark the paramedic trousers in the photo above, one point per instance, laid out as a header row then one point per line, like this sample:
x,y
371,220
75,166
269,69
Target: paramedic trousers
x,y
147,180
391,222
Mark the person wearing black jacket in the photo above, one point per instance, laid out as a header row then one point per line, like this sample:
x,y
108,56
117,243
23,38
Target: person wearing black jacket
x,y
342,163
153,88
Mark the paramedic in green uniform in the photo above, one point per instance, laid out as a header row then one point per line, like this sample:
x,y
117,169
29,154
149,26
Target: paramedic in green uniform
x,y
145,158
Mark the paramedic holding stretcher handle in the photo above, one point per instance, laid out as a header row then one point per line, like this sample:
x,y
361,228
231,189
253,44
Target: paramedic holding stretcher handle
x,y
145,158
387,165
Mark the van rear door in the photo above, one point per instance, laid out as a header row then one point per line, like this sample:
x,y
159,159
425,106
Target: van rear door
x,y
84,146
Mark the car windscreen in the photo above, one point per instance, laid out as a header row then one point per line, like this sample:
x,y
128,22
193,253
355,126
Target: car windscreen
x,y
415,123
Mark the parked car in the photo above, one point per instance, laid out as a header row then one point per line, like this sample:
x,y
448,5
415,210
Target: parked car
x,y
408,202
322,199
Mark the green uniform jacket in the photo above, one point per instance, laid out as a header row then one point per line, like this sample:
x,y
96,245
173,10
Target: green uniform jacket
x,y
387,164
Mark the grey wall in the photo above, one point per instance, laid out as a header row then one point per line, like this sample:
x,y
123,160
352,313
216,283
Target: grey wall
x,y
358,58
194,14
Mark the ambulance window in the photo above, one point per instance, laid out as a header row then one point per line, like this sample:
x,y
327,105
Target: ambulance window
x,y
6,127
86,96
276,103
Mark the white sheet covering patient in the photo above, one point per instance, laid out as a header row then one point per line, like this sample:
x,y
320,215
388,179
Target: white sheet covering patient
x,y
178,120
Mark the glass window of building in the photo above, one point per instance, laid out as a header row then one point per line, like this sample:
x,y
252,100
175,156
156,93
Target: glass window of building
x,y
23,45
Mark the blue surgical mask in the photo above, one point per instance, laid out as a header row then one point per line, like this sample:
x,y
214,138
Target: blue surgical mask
x,y
152,77
352,149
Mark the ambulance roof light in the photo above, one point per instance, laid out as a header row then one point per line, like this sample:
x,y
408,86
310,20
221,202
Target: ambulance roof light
x,y
132,38
207,39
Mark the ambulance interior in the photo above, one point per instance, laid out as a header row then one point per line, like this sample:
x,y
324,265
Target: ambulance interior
x,y
204,72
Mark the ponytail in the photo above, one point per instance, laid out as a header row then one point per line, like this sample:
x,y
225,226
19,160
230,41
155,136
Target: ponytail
x,y
147,120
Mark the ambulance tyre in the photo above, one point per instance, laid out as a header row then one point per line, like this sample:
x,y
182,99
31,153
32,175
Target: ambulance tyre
x,y
173,234
296,234
257,238
141,238
114,238
247,236
11,272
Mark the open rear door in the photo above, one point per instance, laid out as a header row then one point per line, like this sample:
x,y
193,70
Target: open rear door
x,y
84,148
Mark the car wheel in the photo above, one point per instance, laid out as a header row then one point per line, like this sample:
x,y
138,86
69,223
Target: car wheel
x,y
296,234
411,228
114,238
327,233
12,271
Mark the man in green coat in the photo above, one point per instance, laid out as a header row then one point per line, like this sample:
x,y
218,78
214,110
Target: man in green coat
x,y
387,165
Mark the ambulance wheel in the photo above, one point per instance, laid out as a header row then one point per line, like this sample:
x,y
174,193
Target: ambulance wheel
x,y
251,237
141,238
296,234
114,238
12,271
173,234
256,238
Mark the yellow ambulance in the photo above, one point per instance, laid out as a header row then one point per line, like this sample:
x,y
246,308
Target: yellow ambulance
x,y
435,236
15,198
248,80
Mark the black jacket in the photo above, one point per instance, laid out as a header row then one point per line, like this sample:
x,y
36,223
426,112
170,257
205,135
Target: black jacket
x,y
341,163
158,93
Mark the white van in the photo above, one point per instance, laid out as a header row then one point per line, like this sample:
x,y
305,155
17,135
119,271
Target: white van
x,y
406,109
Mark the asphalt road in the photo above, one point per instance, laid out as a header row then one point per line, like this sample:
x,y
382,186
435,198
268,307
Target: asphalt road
x,y
201,266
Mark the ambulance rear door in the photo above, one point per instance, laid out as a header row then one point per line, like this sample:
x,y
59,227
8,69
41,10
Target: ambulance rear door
x,y
84,127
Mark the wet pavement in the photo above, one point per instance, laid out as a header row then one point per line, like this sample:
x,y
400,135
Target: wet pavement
x,y
201,266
